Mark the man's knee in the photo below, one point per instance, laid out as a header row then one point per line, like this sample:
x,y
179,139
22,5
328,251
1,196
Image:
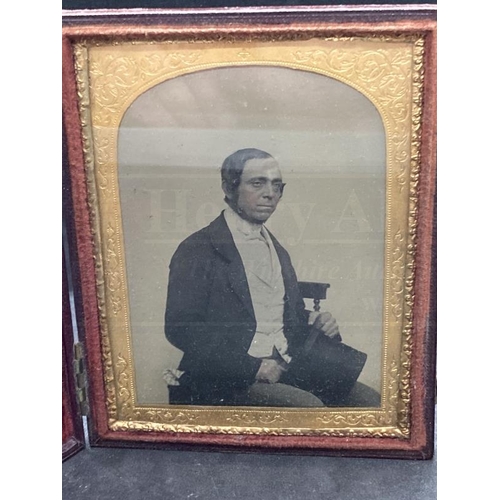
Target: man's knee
x,y
360,396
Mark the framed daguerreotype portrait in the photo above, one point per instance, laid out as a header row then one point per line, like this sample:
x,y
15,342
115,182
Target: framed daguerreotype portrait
x,y
251,220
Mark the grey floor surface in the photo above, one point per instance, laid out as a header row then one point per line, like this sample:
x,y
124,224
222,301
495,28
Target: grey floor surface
x,y
129,474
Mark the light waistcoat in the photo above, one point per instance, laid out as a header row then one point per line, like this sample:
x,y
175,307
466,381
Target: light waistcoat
x,y
265,281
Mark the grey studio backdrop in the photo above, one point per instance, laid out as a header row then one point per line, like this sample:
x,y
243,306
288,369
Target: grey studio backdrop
x,y
330,143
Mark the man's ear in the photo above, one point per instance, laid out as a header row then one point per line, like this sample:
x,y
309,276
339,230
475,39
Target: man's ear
x,y
229,194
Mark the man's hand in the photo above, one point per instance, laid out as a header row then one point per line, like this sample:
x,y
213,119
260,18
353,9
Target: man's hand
x,y
270,371
325,323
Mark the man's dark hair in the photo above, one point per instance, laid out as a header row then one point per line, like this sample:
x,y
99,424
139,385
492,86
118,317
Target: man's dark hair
x,y
233,166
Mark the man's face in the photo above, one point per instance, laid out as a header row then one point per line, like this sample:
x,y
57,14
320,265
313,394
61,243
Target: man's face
x,y
260,190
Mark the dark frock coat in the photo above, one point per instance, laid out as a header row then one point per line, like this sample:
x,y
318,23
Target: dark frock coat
x,y
210,317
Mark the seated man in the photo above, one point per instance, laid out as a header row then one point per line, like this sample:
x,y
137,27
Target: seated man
x,y
233,303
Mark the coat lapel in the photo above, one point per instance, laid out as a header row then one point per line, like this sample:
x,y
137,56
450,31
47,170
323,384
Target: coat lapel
x,y
222,241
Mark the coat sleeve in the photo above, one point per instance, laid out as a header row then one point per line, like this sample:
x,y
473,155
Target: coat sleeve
x,y
187,297
190,285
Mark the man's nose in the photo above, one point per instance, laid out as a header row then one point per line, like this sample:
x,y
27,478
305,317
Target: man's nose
x,y
267,190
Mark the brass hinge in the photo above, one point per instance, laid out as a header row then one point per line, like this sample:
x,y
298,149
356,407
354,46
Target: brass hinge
x,y
80,379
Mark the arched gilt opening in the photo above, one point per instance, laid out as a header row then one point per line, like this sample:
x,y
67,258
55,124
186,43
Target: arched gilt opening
x,y
330,143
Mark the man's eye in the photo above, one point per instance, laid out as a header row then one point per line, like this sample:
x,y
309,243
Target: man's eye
x,y
257,184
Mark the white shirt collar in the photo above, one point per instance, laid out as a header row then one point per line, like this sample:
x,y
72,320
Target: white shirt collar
x,y
237,223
